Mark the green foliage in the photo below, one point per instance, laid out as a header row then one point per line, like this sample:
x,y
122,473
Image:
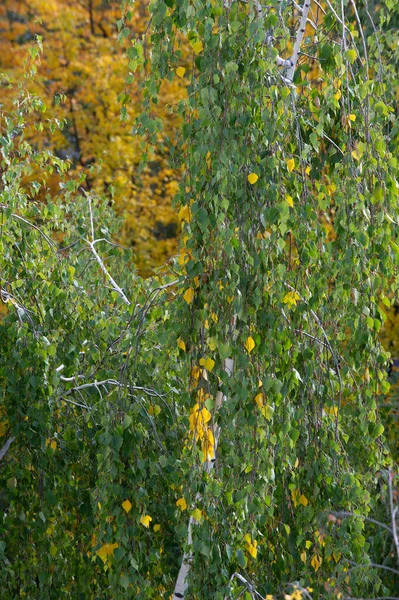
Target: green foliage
x,y
111,386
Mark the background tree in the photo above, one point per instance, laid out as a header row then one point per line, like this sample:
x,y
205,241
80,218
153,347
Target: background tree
x,y
84,66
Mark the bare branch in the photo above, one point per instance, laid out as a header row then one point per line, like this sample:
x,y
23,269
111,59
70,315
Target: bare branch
x,y
393,511
299,39
344,513
6,447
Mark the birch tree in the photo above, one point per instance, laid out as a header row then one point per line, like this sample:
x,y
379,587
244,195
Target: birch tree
x,y
212,432
287,197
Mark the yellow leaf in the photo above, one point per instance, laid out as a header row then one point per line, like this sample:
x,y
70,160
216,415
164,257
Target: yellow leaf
x,y
196,514
185,213
249,344
303,556
213,344
208,363
269,597
197,46
189,295
215,317
316,562
253,178
295,496
303,500
352,117
180,72
307,170
127,506
105,551
289,200
251,546
157,527
291,298
268,412
291,164
259,400
336,556
53,445
206,324
181,344
145,520
195,372
182,504
183,258
308,543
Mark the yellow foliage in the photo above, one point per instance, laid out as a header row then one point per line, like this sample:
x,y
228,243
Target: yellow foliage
x,y
84,61
197,514
189,295
181,503
106,551
252,178
316,562
249,344
291,299
127,506
145,520
251,546
181,344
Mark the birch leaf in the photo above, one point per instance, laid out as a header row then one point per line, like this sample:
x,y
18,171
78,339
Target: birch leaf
x,y
196,514
182,504
127,506
249,344
145,520
253,178
189,295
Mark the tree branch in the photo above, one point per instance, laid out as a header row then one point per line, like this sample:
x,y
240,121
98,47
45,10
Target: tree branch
x,y
6,447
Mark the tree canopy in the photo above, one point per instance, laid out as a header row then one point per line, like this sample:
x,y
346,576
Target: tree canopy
x,y
212,431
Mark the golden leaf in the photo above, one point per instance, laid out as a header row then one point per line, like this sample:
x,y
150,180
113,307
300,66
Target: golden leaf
x,y
289,201
182,504
105,551
253,178
303,500
291,298
208,363
180,72
291,164
316,562
157,527
185,213
189,295
127,506
196,514
249,344
197,46
259,400
303,556
145,520
181,344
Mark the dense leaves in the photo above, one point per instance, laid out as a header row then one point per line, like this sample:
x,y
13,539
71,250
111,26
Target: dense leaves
x,y
227,412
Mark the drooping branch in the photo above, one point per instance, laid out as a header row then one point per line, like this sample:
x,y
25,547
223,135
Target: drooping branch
x,y
181,582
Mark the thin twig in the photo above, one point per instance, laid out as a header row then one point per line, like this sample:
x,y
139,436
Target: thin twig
x,y
393,511
344,513
6,447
